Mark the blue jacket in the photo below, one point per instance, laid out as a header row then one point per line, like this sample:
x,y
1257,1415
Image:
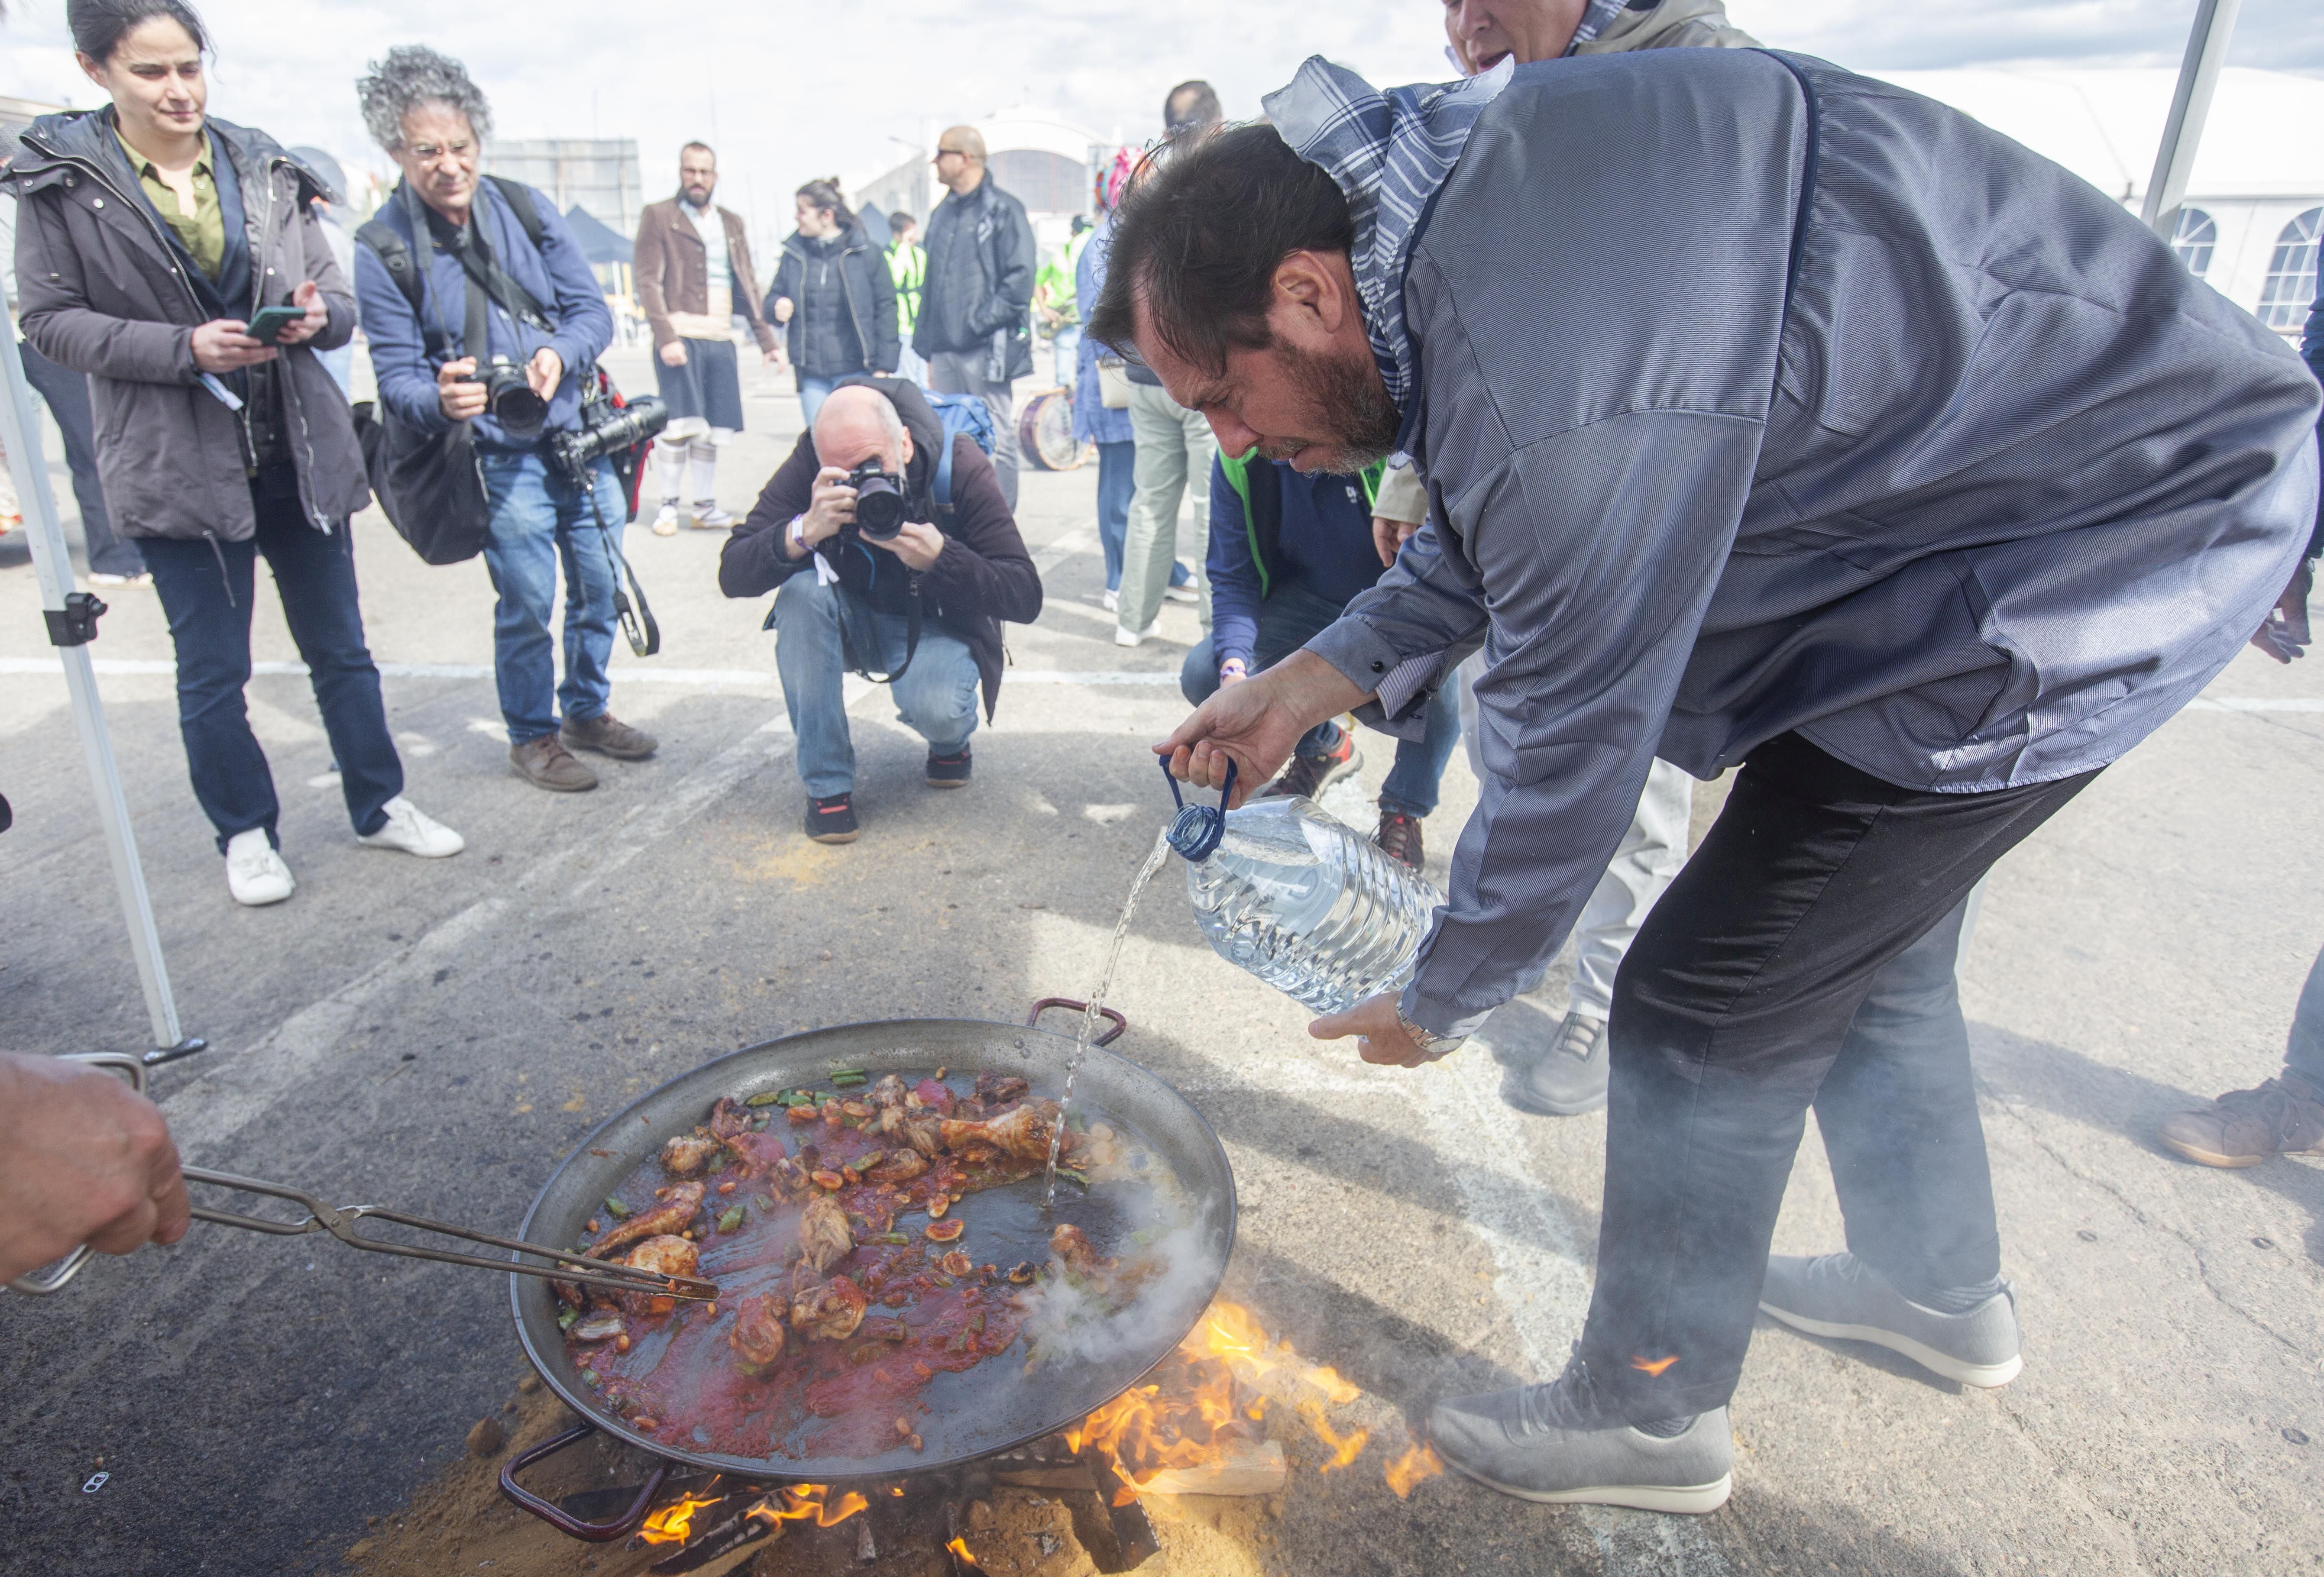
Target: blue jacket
x,y
1093,422
1272,528
558,276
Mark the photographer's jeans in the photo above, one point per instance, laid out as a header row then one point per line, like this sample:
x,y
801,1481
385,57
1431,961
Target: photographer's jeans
x,y
206,591
540,520
937,697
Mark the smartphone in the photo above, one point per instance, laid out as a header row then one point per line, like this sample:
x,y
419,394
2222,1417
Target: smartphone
x,y
270,321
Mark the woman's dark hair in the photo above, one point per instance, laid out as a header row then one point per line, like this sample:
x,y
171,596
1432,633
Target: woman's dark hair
x,y
1199,236
825,194
97,25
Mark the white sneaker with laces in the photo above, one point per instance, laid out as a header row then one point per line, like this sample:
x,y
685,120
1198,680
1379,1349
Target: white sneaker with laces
x,y
1122,637
709,517
254,873
413,832
1182,593
1113,601
665,520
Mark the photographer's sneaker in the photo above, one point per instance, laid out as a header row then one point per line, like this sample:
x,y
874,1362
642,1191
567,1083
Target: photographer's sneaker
x,y
949,770
411,832
254,873
608,735
1569,1078
1558,1443
665,520
1113,599
1185,593
2243,1128
709,517
832,819
1840,1295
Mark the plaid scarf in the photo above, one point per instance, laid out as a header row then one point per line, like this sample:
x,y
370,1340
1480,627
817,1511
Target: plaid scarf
x,y
1388,151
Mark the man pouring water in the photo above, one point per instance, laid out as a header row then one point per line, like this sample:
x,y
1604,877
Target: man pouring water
x,y
1928,490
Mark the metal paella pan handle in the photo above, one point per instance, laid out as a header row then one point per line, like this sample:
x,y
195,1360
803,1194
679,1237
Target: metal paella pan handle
x,y
564,1521
1120,1021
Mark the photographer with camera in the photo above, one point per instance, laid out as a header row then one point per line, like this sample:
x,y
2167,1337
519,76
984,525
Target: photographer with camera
x,y
511,325
888,544
175,260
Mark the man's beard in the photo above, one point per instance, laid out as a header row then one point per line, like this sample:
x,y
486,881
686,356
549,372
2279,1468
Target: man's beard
x,y
1360,422
697,197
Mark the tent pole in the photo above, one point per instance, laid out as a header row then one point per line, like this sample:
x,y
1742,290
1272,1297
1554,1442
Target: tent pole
x,y
2190,105
72,623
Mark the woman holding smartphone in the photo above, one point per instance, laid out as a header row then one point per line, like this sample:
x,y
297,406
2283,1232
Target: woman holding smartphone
x,y
177,259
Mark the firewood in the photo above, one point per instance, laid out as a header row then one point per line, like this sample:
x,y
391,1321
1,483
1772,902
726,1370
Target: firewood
x,y
1249,1467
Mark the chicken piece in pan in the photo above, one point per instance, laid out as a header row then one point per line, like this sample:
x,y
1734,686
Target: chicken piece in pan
x,y
889,1091
688,1153
1069,1243
998,1089
899,1166
825,1237
829,1312
664,1219
663,1256
924,1134
758,1333
728,1119
1023,1133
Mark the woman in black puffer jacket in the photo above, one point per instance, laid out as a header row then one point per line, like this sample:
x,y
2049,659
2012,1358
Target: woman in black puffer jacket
x,y
833,290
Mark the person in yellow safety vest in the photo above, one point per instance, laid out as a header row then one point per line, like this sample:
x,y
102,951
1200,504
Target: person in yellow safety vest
x,y
1054,303
907,265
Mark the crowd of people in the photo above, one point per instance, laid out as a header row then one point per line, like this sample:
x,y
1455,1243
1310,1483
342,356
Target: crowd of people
x,y
1404,356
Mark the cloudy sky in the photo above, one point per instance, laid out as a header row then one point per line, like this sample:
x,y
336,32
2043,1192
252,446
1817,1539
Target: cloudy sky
x,y
789,92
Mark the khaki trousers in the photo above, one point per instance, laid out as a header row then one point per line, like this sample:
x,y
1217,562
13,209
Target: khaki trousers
x,y
1175,450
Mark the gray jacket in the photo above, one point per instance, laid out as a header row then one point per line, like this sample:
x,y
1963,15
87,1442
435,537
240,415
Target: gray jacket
x,y
1820,407
102,291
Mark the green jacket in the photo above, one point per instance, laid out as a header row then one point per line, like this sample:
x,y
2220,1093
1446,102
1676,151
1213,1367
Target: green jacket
x,y
907,265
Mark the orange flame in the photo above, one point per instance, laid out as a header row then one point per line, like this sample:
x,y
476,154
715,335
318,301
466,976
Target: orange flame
x,y
1343,1448
797,1502
1654,1366
960,1548
1415,1467
674,1523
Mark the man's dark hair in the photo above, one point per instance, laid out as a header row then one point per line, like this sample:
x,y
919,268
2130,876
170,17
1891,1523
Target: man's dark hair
x,y
901,220
1191,106
1201,236
97,26
687,148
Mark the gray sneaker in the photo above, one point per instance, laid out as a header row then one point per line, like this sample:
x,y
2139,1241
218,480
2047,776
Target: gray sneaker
x,y
1569,1078
1558,1444
1840,1295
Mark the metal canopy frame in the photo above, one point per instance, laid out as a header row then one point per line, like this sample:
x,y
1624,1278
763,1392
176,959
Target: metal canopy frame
x,y
2190,107
71,617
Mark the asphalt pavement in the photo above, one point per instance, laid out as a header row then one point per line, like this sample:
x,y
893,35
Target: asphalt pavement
x,y
436,1035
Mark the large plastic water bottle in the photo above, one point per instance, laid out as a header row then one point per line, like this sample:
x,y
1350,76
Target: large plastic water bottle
x,y
1301,899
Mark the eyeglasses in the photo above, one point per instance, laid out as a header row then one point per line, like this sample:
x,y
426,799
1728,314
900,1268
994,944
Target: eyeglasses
x,y
942,153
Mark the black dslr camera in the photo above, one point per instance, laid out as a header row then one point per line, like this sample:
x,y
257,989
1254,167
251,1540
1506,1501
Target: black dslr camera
x,y
879,499
606,429
509,398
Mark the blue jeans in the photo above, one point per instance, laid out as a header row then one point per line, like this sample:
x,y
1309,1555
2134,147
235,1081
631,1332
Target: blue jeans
x,y
1287,621
206,592
812,391
1117,482
936,696
2304,1052
540,520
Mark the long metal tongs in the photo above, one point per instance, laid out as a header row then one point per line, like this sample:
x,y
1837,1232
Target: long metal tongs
x,y
338,1220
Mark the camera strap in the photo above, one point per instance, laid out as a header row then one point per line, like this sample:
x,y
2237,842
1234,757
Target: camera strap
x,y
637,619
857,660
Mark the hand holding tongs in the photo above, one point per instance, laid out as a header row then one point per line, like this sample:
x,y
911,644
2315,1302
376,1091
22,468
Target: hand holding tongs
x,y
340,1222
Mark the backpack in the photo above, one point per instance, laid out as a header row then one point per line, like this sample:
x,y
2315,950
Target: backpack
x,y
958,414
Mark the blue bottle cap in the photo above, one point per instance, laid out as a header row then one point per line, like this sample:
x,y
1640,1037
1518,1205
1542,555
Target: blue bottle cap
x,y
1196,832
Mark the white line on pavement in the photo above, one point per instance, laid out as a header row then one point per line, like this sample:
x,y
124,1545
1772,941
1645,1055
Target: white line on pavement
x,y
700,677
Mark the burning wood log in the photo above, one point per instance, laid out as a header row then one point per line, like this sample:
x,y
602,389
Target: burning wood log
x,y
1246,1467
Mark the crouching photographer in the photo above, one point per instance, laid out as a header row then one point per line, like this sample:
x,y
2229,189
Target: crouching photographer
x,y
888,548
482,310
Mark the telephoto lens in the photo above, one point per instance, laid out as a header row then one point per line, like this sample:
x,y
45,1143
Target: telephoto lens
x,y
509,398
879,501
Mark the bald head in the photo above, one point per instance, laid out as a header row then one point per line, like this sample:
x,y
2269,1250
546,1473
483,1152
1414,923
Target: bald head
x,y
960,159
856,423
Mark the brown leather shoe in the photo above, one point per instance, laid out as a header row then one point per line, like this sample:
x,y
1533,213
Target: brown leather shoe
x,y
2243,1128
608,735
546,763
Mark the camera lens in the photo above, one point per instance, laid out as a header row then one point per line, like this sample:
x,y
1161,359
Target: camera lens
x,y
879,508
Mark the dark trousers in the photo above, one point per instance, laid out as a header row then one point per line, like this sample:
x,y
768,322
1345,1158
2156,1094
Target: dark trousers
x,y
65,394
1732,1015
206,589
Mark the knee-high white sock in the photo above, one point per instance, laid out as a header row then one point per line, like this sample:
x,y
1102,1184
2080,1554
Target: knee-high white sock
x,y
704,455
673,470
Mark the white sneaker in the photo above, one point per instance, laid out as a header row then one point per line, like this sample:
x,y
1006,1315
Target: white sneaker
x,y
254,873
1182,593
103,578
1113,601
665,520
1122,637
413,832
709,517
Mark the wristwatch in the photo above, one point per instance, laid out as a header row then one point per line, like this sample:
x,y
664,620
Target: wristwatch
x,y
1436,1047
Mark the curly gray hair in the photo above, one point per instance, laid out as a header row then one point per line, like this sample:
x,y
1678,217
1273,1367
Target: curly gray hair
x,y
413,74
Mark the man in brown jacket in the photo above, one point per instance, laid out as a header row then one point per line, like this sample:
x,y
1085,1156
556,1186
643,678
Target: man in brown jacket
x,y
693,267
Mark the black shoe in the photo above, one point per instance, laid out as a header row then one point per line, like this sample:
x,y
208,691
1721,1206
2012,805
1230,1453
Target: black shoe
x,y
1569,1078
1399,838
948,771
1308,776
832,820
